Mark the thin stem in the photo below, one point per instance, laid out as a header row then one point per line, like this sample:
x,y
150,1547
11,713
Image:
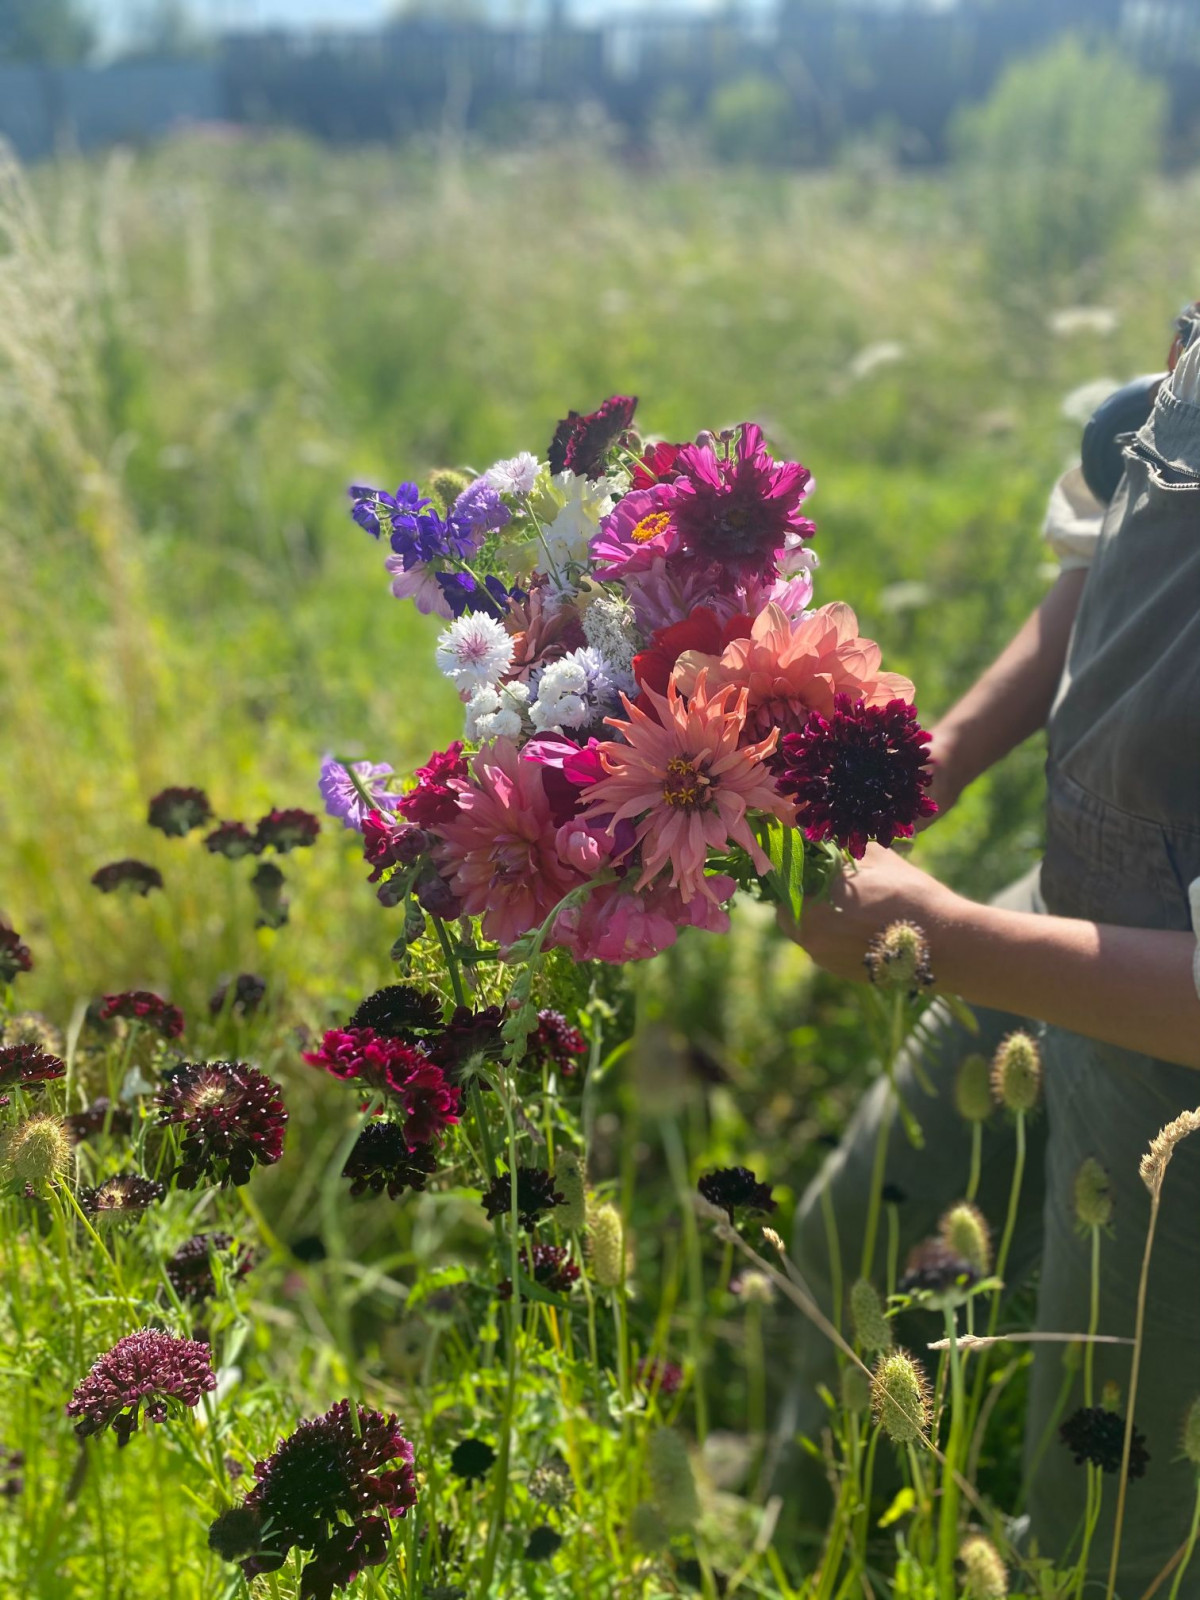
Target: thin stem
x,y
1089,1352
1138,1331
976,1159
834,1248
948,1518
1188,1548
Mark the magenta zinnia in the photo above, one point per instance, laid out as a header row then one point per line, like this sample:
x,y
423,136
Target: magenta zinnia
x,y
231,1116
687,782
740,509
858,774
140,1376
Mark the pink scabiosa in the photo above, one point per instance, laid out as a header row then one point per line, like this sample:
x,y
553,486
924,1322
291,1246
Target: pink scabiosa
x,y
139,877
685,778
140,1378
27,1066
549,1265
140,1005
536,1193
498,853
734,1189
435,798
190,1270
231,1117
343,799
291,829
125,1194
382,1159
739,508
581,443
176,812
859,774
14,954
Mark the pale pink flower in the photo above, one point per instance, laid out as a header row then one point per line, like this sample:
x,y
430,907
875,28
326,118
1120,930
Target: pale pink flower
x,y
617,923
418,584
682,773
584,846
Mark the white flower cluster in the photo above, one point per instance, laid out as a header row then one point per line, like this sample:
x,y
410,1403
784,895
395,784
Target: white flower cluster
x,y
473,651
573,692
611,628
515,476
567,537
497,711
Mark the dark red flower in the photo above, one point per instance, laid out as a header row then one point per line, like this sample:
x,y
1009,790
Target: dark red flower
x,y
549,1265
655,1372
232,1118
433,800
399,1011
543,1542
581,443
267,883
396,1068
282,831
139,1005
535,1193
858,774
28,1066
339,1559
140,1376
243,996
739,509
735,1189
102,1116
190,1269
12,1483
657,465
176,812
1097,1435
470,1037
14,954
389,844
138,876
430,1104
232,840
554,1040
700,630
472,1458
935,1267
381,1159
125,1194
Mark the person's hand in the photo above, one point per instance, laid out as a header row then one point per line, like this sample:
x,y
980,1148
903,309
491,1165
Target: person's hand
x,y
862,901
948,782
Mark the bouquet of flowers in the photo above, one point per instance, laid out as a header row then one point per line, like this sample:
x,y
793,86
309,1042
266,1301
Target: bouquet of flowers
x,y
654,716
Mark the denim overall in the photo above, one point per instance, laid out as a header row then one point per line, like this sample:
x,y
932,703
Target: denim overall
x,y
1123,844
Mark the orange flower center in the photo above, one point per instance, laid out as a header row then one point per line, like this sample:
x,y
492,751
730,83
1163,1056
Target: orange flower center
x,y
683,787
650,527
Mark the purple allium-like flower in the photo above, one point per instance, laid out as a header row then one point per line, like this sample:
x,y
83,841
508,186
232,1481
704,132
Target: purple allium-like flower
x,y
858,774
138,876
190,1269
243,996
1097,1435
472,1458
381,1159
27,1066
102,1116
139,1005
399,1011
469,1037
233,840
549,1265
267,883
582,443
739,510
14,954
176,812
735,1189
140,1376
125,1194
935,1268
555,1041
343,800
389,844
232,1117
655,1372
480,505
375,511
535,1193
292,829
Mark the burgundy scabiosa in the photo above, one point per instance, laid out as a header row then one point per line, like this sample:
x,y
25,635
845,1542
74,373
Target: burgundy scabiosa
x,y
435,800
11,1480
733,1189
233,840
243,995
549,1265
858,774
581,442
190,1269
536,1193
655,1372
389,844
102,1116
14,954
383,1160
1095,1434
936,1269
176,812
27,1066
231,1117
267,884
554,1042
125,1194
140,1005
137,876
740,509
472,1458
392,1066
140,1378
281,831
468,1039
399,1011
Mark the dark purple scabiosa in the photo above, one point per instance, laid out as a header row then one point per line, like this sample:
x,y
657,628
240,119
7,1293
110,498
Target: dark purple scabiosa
x,y
233,840
231,1116
282,831
26,1066
543,1542
1096,1434
935,1269
243,995
140,1005
176,812
469,1039
102,1116
655,1372
12,1481
14,954
554,1042
391,844
399,1011
137,876
549,1265
125,1194
190,1269
734,1189
536,1193
581,442
472,1458
140,1377
858,774
267,883
381,1159
740,509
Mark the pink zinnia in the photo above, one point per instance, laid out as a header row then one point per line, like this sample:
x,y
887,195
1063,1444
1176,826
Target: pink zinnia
x,y
499,852
688,781
640,530
740,509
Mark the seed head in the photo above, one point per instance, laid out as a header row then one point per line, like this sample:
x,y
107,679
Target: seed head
x,y
1017,1073
606,1246
898,959
973,1090
31,1028
568,1175
871,1328
446,484
754,1287
1092,1195
672,1486
36,1151
985,1576
646,1527
551,1482
1154,1163
856,1389
966,1232
901,1401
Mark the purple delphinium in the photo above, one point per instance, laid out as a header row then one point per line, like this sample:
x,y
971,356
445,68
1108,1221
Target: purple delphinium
x,y
343,800
369,503
463,594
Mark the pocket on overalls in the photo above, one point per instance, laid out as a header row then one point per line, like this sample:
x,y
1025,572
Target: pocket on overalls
x,y
1172,476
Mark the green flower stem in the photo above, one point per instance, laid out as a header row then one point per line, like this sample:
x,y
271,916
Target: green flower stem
x,y
893,1250
756,1388
895,1041
1089,1351
1135,1369
976,1160
1006,1238
948,1518
833,1246
677,1162
1188,1548
102,1248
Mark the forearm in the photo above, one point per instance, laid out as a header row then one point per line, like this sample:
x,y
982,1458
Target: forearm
x,y
1131,987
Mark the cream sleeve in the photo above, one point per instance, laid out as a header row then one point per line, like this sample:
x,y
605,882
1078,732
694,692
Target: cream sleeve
x,y
1073,518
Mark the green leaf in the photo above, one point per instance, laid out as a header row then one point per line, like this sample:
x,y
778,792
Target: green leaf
x,y
904,1503
784,848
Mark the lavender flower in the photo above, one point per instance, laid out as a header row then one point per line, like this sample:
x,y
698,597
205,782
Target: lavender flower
x,y
480,505
141,1375
343,800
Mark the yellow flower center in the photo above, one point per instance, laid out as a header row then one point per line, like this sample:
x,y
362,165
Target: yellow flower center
x,y
683,787
650,527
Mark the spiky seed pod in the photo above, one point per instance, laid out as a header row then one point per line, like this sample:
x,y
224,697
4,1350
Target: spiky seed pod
x,y
901,1401
1017,1073
856,1389
985,1576
898,959
973,1090
1191,1433
606,1246
871,1328
36,1151
1154,1163
446,484
754,1287
966,1231
672,1486
1092,1195
568,1173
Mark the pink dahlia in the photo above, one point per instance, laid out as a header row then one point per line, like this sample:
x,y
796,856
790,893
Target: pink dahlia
x,y
740,509
640,529
687,777
499,852
617,923
789,667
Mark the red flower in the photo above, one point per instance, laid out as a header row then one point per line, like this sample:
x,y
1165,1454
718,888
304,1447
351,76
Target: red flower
x,y
14,954
700,630
393,1067
28,1066
657,465
139,1005
282,831
232,840
128,874
176,812
141,1372
231,1115
739,509
433,801
581,443
386,844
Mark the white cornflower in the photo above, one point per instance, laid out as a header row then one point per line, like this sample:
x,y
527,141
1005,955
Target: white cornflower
x,y
496,712
474,650
515,476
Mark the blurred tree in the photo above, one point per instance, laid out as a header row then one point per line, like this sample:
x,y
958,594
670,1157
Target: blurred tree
x,y
752,119
50,32
166,30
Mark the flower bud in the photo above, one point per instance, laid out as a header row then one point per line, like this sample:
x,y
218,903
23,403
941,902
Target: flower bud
x,y
1110,1395
36,1151
446,484
1191,1433
606,1246
568,1176
985,1576
898,959
856,1389
672,1487
871,1328
1092,1195
1017,1073
973,1090
900,1397
755,1288
966,1232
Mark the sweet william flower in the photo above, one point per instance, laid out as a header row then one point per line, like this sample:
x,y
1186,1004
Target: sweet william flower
x,y
385,844
190,1269
435,798
400,1011
536,1193
138,1379
290,829
382,1159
